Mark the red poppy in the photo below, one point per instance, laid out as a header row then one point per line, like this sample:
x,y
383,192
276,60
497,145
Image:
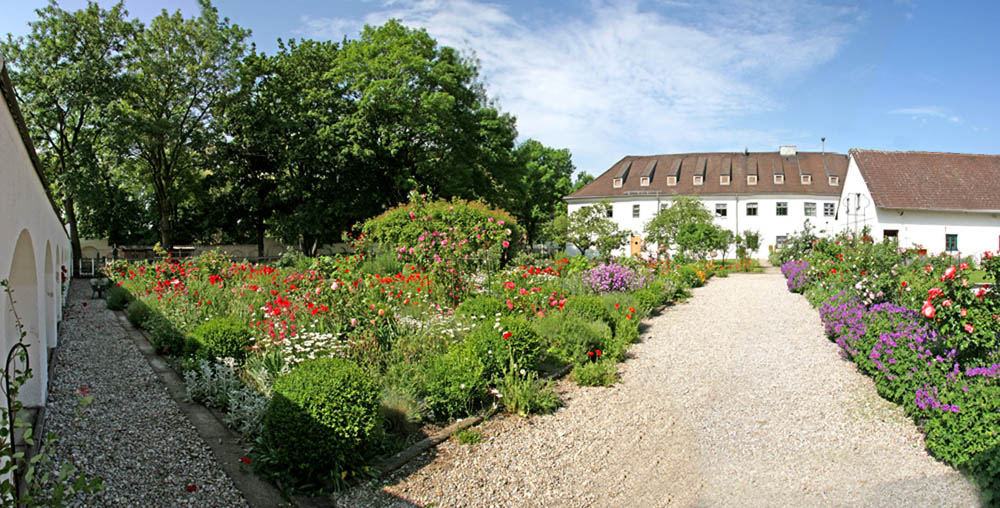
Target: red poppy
x,y
506,335
245,460
84,304
191,488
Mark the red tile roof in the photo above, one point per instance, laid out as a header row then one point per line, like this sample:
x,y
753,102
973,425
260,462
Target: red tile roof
x,y
710,164
931,180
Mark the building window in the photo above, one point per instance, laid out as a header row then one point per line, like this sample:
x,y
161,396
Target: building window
x,y
752,209
779,179
617,182
723,179
806,179
834,180
951,243
611,211
671,181
635,211
781,209
780,241
644,181
829,209
720,209
890,234
810,209
699,179
751,179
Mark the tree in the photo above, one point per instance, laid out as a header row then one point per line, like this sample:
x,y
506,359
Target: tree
x,y
545,177
667,223
182,69
590,226
582,179
68,71
699,239
555,231
418,119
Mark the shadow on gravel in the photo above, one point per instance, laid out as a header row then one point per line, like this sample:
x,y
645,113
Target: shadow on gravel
x,y
372,494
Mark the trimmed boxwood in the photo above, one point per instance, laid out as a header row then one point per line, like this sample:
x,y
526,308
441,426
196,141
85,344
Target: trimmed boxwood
x,y
495,352
593,307
322,417
118,298
221,338
455,382
164,337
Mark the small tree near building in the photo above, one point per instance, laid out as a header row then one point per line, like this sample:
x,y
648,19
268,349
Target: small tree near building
x,y
665,226
590,226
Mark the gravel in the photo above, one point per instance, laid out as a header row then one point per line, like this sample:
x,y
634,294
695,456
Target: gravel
x,y
733,398
132,435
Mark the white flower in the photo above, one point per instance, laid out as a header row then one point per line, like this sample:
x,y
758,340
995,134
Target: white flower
x,y
523,372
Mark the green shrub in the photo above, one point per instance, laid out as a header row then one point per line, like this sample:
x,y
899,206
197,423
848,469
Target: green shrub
x,y
568,336
166,339
688,276
454,383
593,307
487,344
524,394
481,306
600,373
221,338
515,343
401,409
969,439
523,344
118,298
468,436
384,264
138,313
321,420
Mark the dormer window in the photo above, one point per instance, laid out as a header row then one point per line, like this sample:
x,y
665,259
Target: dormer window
x,y
617,183
699,180
806,179
834,180
723,179
751,179
779,179
671,181
644,181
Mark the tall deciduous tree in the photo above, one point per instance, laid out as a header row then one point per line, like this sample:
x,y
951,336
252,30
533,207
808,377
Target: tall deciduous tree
x,y
67,71
545,177
590,226
180,72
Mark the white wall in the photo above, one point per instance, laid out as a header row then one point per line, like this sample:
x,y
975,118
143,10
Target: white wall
x,y
977,232
767,223
28,230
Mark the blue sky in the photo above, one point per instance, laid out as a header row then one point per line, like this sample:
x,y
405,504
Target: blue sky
x,y
607,79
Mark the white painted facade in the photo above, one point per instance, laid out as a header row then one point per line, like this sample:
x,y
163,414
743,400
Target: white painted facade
x,y
976,231
34,247
767,222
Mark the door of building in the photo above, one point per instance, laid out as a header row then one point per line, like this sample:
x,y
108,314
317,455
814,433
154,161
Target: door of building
x,y
636,245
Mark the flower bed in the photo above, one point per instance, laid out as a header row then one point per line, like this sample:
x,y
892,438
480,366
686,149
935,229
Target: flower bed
x,y
925,334
426,347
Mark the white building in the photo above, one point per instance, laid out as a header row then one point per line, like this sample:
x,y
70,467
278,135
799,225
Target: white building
x,y
34,247
941,202
771,193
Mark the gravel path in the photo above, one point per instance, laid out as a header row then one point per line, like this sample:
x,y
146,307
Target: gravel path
x,y
132,435
734,398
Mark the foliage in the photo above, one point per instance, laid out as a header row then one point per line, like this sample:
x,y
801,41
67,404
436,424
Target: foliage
x,y
212,384
222,338
570,336
138,313
684,211
481,306
546,177
601,373
165,338
699,239
523,394
589,226
118,298
468,436
456,383
402,410
322,418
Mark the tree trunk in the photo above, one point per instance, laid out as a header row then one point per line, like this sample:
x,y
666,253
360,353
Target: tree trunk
x,y
260,236
74,234
166,226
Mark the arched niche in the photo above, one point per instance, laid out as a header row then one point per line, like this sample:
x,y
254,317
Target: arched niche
x,y
24,284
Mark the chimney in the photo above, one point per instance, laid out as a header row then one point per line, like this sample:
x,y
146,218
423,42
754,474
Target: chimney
x,y
787,150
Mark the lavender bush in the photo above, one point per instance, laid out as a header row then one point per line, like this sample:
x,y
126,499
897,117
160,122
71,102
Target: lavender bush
x,y
608,277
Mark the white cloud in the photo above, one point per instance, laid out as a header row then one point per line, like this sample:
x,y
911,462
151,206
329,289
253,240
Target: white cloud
x,y
923,113
616,79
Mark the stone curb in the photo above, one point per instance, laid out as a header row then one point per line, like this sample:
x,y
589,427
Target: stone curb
x,y
224,444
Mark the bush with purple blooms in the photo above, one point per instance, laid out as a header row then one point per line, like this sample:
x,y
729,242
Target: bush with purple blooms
x,y
610,277
796,272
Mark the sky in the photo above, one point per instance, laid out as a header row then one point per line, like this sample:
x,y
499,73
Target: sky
x,y
609,79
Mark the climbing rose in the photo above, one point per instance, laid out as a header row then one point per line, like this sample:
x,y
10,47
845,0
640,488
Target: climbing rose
x,y
969,328
950,272
928,310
